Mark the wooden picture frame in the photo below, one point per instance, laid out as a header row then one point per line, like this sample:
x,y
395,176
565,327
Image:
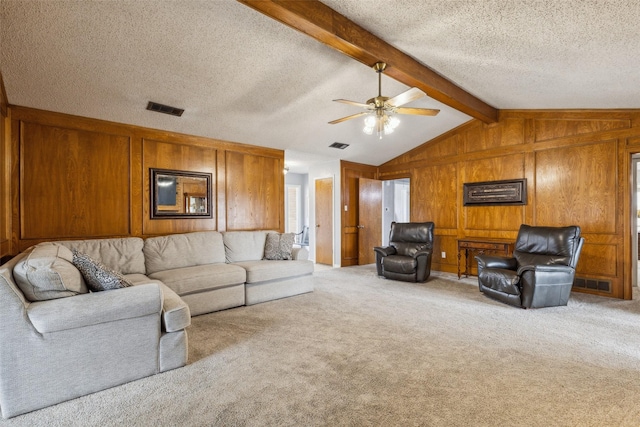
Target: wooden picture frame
x,y
180,194
488,193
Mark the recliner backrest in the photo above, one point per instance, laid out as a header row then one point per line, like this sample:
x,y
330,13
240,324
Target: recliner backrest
x,y
547,245
410,237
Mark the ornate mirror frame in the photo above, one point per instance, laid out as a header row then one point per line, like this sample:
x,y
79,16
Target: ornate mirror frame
x,y
180,194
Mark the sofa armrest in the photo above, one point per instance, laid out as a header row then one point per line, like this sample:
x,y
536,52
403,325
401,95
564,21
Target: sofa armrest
x,y
95,308
299,254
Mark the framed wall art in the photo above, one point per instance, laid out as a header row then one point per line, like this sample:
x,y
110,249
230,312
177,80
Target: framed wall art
x,y
507,192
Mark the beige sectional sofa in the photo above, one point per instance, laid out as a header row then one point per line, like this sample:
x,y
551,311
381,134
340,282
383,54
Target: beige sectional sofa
x,y
213,271
58,341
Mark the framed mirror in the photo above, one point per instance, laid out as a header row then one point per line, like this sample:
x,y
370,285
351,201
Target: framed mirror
x,y
180,194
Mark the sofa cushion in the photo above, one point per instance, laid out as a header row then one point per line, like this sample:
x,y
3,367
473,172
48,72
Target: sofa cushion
x,y
122,254
47,273
183,250
244,245
200,278
278,246
97,276
261,271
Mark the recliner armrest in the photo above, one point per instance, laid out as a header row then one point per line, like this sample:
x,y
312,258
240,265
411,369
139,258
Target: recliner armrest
x,y
96,307
423,252
385,250
494,261
545,268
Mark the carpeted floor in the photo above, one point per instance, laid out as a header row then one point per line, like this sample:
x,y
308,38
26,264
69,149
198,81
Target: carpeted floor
x,y
365,351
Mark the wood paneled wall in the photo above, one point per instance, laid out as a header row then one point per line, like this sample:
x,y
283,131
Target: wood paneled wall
x,y
5,170
577,166
74,177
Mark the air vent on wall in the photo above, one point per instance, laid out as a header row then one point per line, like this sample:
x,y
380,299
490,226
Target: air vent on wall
x,y
166,109
339,145
594,284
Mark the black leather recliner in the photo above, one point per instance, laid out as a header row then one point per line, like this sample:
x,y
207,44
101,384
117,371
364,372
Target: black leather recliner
x,y
408,256
541,271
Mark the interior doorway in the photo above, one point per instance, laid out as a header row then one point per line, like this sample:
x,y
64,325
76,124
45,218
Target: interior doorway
x,y
396,204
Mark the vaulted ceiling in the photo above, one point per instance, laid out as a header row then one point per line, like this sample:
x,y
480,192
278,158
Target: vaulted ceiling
x,y
266,72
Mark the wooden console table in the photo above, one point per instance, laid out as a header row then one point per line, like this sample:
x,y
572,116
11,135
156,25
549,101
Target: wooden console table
x,y
476,246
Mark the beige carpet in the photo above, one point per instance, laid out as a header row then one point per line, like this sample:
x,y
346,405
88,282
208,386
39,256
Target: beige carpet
x,y
365,351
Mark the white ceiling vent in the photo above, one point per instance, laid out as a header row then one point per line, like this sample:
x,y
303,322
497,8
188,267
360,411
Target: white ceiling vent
x,y
166,109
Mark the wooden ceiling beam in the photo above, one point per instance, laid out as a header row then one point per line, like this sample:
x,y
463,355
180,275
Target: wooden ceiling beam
x,y
324,24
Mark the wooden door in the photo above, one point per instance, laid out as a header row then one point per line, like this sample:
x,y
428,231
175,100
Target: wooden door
x,y
369,219
324,221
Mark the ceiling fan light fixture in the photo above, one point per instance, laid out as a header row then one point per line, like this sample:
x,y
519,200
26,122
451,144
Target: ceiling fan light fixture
x,y
384,124
380,111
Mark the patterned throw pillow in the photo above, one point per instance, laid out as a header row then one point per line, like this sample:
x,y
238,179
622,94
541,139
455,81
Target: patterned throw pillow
x,y
278,246
97,276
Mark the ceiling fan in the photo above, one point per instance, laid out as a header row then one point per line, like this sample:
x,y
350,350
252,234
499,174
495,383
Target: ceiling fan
x,y
381,110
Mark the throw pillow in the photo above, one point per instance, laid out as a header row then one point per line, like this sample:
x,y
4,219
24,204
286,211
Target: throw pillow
x,y
98,276
278,246
47,273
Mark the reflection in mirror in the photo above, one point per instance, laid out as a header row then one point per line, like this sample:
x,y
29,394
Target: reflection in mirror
x,y
180,194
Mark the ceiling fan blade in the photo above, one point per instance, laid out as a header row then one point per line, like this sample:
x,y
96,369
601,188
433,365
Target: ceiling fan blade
x,y
406,97
357,104
353,116
418,111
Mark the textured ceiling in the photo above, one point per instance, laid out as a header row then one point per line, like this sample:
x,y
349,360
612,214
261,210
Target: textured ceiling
x,y
243,77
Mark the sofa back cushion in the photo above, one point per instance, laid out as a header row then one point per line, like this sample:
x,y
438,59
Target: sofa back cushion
x,y
244,245
123,255
183,250
47,273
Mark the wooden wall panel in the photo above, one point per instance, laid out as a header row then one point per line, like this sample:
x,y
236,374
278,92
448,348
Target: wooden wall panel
x,y
254,192
439,184
598,260
5,174
577,185
177,156
492,218
73,178
449,245
81,190
502,134
547,129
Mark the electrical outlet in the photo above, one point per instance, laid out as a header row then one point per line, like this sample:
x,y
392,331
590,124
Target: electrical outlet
x,y
444,255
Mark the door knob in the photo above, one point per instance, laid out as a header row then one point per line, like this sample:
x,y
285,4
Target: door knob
x,y
317,225
359,226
